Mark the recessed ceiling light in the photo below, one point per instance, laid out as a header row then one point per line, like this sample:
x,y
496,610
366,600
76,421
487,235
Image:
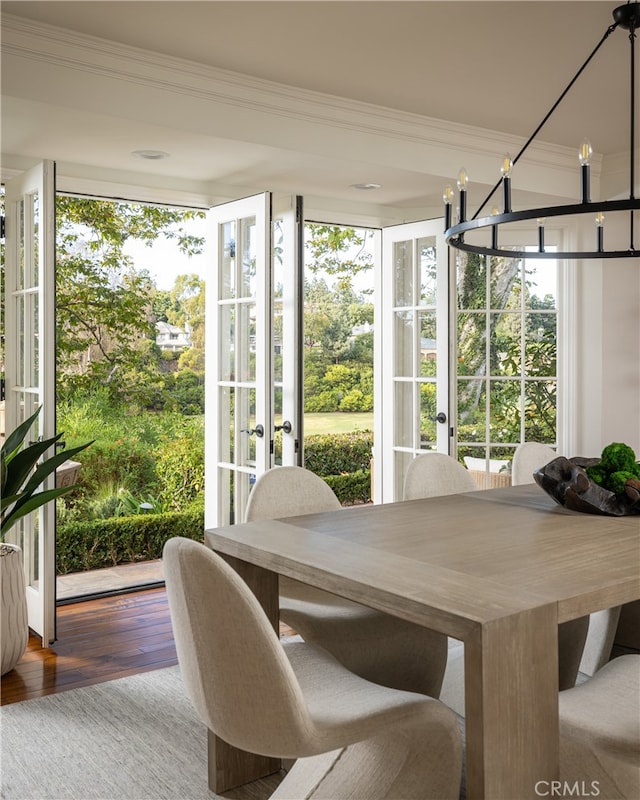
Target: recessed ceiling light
x,y
366,186
150,155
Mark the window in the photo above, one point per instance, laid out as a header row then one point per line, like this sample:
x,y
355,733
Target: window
x,y
506,385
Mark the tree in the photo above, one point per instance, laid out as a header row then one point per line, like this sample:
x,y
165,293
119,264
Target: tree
x,y
338,251
105,308
188,312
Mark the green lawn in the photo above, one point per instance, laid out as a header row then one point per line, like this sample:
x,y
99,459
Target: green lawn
x,y
338,422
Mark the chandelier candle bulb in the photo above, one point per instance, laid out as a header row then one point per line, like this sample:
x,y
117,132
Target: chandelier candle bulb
x,y
463,180
494,229
541,234
506,182
600,230
447,196
584,157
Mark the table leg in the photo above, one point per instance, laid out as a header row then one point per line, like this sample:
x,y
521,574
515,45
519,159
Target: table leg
x,y
511,706
228,766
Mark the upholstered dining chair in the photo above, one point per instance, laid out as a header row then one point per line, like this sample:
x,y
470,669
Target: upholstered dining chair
x,y
374,645
600,731
436,474
293,700
528,457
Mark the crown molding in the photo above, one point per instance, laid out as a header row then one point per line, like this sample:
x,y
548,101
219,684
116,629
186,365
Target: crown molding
x,y
64,48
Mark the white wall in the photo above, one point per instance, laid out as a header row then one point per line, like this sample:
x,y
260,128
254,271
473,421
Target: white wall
x,y
607,353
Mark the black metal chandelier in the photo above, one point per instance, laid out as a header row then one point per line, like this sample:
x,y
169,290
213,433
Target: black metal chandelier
x,y
628,18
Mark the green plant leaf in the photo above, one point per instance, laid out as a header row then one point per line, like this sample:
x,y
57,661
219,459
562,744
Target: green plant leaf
x,y
47,467
20,466
16,437
35,501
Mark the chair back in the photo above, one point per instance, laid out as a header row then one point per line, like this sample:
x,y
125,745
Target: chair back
x,y
436,474
287,492
527,458
234,669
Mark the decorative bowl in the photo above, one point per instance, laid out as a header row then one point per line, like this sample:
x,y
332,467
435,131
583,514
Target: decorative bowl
x,y
566,481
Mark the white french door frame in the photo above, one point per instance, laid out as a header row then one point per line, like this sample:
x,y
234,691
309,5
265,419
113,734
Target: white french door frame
x,y
30,367
391,379
241,379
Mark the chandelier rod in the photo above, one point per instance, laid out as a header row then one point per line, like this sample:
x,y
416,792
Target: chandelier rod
x,y
606,35
632,126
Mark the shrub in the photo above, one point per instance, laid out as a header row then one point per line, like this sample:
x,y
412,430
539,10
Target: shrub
x,y
356,400
104,543
124,463
180,468
185,390
336,454
352,488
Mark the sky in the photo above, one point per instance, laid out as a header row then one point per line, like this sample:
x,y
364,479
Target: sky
x,y
163,259
165,262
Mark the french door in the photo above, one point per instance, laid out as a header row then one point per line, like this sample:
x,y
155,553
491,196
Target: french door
x,y
253,373
30,365
413,408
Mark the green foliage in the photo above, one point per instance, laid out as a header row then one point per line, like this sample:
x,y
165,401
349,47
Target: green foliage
x,y
618,457
336,454
125,463
616,466
338,251
352,488
106,309
618,480
21,474
185,392
105,543
180,468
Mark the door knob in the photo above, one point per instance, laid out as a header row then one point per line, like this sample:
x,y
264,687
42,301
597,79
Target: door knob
x,y
286,427
441,417
258,430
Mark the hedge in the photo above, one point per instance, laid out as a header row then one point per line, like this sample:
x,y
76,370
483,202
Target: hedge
x,y
338,453
352,488
102,543
342,460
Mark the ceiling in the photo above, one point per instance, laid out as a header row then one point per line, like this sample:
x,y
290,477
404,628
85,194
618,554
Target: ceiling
x,y
323,95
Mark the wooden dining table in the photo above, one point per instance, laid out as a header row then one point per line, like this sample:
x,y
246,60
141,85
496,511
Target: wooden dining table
x,y
498,569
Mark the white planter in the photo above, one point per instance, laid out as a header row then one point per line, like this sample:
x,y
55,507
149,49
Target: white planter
x,y
14,629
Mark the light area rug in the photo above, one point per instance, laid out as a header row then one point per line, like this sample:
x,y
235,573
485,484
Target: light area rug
x,y
135,738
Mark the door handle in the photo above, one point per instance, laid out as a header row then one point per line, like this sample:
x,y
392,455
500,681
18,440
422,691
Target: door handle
x,y
258,430
441,417
286,427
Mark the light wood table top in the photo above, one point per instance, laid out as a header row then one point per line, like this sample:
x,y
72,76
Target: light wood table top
x,y
498,569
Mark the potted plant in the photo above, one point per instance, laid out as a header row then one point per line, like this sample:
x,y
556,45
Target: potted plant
x,y
21,477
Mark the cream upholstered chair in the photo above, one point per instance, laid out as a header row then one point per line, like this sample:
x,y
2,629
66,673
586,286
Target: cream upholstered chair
x,y
352,738
374,645
436,474
527,458
600,731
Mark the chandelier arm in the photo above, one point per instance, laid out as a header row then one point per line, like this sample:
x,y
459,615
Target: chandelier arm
x,y
454,236
460,244
632,134
605,36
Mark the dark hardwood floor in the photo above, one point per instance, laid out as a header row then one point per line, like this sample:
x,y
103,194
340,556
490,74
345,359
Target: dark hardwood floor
x,y
98,640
